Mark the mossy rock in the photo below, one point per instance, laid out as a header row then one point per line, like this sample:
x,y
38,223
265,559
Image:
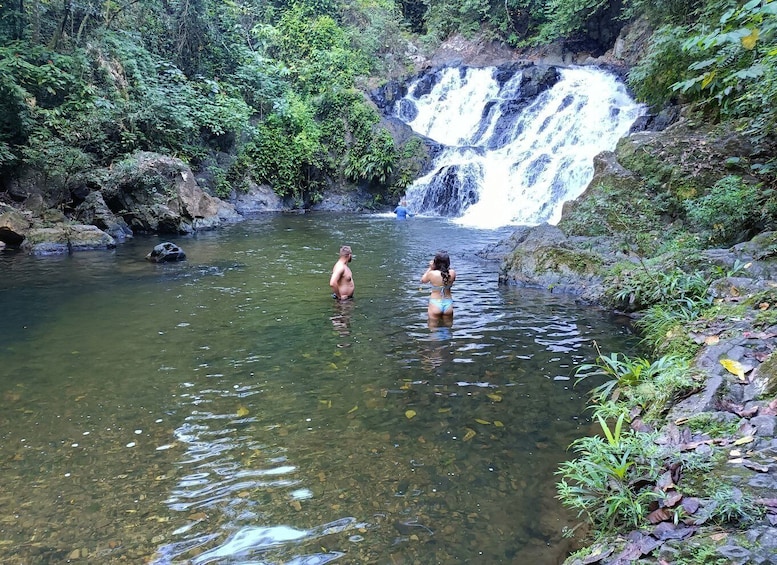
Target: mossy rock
x,y
767,375
544,257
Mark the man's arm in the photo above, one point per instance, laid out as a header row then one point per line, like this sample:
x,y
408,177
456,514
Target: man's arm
x,y
334,281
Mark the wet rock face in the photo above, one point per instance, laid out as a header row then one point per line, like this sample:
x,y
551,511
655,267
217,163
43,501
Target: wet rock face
x,y
166,253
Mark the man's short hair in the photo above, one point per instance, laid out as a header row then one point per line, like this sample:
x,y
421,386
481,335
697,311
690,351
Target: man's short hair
x,y
345,250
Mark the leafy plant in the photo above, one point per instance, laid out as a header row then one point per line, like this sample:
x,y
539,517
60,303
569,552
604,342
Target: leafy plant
x,y
664,64
734,64
606,482
731,505
711,425
728,213
664,327
621,372
634,287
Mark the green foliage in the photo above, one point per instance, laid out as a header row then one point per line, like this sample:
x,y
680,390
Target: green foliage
x,y
728,213
622,374
59,161
376,31
660,12
286,151
376,163
636,287
564,18
349,129
729,505
734,71
407,166
664,328
710,424
603,483
665,63
262,83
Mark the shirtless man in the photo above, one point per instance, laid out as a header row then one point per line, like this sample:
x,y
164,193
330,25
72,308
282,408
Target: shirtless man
x,y
341,281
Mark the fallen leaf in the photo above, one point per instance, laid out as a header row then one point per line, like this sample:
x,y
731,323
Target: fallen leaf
x,y
242,411
744,440
469,434
711,340
495,397
672,498
659,515
484,422
734,367
498,424
410,414
444,410
354,409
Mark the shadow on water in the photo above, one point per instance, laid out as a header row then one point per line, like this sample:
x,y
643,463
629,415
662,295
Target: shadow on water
x,y
227,410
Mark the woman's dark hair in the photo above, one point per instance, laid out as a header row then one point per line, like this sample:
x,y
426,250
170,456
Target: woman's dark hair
x,y
442,262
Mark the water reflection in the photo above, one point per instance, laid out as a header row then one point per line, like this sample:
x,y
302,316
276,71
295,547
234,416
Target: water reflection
x,y
341,319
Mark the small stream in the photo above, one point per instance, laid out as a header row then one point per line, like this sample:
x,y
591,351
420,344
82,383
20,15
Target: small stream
x,y
226,410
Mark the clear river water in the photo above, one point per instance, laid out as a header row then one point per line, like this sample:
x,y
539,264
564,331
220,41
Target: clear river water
x,y
226,410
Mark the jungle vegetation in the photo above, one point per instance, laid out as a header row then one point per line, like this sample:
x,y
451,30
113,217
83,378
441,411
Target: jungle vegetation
x,y
275,90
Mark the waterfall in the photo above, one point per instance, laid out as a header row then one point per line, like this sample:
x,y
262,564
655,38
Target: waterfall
x,y
505,162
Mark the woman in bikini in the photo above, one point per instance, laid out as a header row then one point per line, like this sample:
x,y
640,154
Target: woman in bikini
x,y
441,277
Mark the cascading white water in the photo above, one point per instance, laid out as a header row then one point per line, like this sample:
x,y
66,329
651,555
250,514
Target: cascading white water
x,y
497,169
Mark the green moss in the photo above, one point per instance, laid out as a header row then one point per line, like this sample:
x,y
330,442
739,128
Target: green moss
x,y
710,424
608,208
578,262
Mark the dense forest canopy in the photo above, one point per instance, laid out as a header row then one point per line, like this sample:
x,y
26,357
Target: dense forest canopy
x,y
274,90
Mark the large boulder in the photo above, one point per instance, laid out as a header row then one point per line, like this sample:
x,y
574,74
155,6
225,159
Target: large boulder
x,y
66,238
93,210
258,198
13,225
159,194
544,257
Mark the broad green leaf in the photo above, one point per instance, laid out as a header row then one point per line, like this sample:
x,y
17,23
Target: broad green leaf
x,y
753,71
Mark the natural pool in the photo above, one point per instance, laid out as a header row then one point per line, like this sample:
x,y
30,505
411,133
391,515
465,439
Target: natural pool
x,y
226,410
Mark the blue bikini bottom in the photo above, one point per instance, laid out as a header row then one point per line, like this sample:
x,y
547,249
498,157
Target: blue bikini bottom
x,y
442,303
